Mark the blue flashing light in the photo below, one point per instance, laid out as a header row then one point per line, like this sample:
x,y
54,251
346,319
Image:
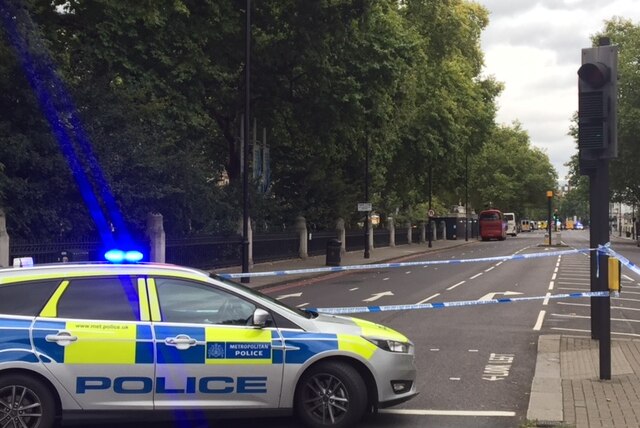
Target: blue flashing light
x,y
119,256
133,256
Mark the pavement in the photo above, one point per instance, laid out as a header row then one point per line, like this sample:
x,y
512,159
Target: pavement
x,y
566,390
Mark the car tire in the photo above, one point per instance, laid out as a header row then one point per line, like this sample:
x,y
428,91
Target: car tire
x,y
331,394
27,401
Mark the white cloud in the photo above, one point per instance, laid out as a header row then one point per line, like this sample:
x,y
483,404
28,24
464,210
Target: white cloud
x,y
534,48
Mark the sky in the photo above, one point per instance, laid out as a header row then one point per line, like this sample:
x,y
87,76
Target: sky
x,y
534,48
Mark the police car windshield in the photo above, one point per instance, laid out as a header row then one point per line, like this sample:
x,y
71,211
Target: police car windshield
x,y
296,311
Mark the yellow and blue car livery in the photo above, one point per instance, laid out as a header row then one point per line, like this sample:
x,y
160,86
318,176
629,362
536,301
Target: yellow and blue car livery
x,y
160,340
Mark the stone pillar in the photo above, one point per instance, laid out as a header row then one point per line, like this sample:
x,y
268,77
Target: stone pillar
x,y
157,238
392,232
301,228
342,235
434,228
370,237
4,241
423,232
409,232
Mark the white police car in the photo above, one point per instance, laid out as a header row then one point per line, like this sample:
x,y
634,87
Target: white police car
x,y
150,340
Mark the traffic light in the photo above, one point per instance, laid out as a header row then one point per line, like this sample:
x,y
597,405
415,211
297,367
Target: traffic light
x,y
597,105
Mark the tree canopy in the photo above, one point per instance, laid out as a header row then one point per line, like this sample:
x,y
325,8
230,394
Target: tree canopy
x,y
624,173
158,89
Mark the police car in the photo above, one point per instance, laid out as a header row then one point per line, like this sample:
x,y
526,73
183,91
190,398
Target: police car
x,y
82,341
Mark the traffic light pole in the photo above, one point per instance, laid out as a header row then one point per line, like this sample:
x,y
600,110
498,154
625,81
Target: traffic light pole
x,y
599,235
597,144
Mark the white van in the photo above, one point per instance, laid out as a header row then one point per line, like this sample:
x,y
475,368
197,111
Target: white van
x,y
512,225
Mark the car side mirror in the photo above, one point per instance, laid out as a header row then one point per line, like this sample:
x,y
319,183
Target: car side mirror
x,y
260,317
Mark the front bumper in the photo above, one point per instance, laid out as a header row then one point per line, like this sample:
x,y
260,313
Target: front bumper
x,y
392,368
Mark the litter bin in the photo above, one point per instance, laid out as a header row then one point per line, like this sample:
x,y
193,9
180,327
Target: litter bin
x,y
334,246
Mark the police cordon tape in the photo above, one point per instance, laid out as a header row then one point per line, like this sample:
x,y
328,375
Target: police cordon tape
x,y
604,249
439,305
623,260
401,264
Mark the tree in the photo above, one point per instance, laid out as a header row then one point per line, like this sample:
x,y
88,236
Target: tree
x,y
159,91
510,174
625,176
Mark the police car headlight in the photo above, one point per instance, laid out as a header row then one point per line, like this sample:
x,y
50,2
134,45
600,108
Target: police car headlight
x,y
392,345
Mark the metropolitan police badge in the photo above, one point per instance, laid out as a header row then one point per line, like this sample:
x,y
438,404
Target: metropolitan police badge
x,y
215,350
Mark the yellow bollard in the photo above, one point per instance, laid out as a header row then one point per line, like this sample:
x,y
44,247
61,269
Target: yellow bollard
x,y
614,275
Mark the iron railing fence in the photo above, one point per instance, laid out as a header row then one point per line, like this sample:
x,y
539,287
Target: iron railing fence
x,y
381,238
211,251
318,241
56,251
275,246
205,251
401,236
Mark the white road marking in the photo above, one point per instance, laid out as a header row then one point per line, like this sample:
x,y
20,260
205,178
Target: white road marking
x,y
454,378
408,272
431,412
455,285
588,317
551,285
354,289
489,269
376,296
538,325
427,299
577,330
545,302
386,279
491,296
473,350
285,296
476,275
434,349
302,305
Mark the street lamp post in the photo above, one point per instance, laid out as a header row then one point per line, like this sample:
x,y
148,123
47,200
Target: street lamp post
x,y
466,197
430,200
367,250
245,160
549,198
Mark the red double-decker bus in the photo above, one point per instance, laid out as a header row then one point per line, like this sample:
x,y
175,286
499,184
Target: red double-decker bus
x,y
492,225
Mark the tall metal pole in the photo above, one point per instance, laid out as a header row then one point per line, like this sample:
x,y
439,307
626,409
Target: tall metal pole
x,y
430,231
466,197
367,250
600,306
549,198
245,172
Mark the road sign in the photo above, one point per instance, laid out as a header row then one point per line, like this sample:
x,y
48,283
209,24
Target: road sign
x,y
364,206
432,213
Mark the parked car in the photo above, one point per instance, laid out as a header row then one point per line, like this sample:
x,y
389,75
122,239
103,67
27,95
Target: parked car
x,y
153,341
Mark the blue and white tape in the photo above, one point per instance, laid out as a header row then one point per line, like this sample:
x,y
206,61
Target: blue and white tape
x,y
435,305
402,264
623,260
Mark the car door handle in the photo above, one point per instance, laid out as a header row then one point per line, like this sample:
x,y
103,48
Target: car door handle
x,y
181,341
62,338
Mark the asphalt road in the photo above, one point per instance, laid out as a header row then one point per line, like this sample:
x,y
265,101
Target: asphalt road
x,y
475,363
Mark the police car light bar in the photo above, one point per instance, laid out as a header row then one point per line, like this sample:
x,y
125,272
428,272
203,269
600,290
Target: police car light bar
x,y
119,256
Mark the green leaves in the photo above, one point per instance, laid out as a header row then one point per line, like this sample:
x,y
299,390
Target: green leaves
x,y
159,86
